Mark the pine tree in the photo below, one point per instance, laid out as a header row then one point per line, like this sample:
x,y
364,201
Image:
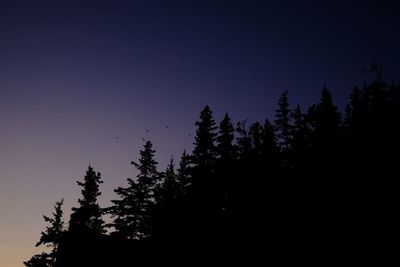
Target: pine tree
x,y
89,214
225,165
327,119
225,139
132,212
283,122
126,211
53,234
204,153
170,185
300,144
148,177
184,177
203,193
50,238
270,148
243,142
325,174
255,131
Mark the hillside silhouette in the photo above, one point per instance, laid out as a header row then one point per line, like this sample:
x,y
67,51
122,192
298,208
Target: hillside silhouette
x,y
304,184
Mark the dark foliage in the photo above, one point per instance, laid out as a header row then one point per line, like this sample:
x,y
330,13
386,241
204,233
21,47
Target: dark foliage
x,y
308,184
51,238
89,214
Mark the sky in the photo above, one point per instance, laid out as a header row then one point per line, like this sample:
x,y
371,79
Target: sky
x,y
84,82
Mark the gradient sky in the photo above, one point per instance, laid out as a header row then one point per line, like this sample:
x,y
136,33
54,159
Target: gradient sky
x,y
76,75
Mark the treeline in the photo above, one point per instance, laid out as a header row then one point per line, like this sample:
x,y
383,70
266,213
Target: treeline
x,y
306,179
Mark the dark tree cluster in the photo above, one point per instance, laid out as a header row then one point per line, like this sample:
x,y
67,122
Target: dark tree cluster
x,y
311,181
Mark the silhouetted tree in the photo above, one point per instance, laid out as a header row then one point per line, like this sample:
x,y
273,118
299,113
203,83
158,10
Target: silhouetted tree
x,y
306,178
243,141
326,122
51,238
283,124
226,156
169,189
89,214
126,212
204,153
269,146
301,143
184,175
132,212
165,213
225,138
203,192
39,260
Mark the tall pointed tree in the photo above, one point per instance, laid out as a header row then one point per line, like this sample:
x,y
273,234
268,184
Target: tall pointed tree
x,y
327,120
89,213
203,193
126,211
204,153
147,181
168,190
243,141
132,211
184,177
301,142
50,238
269,144
225,164
225,140
283,122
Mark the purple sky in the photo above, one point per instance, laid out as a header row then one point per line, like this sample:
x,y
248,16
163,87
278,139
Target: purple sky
x,y
76,75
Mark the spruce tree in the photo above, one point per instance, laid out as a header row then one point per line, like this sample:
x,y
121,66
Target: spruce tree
x,y
203,191
51,238
89,214
225,165
225,140
327,121
169,187
132,212
299,154
183,176
283,125
204,153
243,141
126,212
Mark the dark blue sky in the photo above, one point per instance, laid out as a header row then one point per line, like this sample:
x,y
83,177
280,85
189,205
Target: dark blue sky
x,y
74,75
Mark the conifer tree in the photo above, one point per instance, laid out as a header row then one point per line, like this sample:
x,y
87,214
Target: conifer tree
x,y
204,153
269,144
225,164
126,211
39,260
243,142
300,142
327,120
203,193
89,214
183,176
51,238
132,212
170,185
225,140
283,122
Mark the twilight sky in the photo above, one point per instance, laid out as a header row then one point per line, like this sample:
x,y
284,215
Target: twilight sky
x,y
75,75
